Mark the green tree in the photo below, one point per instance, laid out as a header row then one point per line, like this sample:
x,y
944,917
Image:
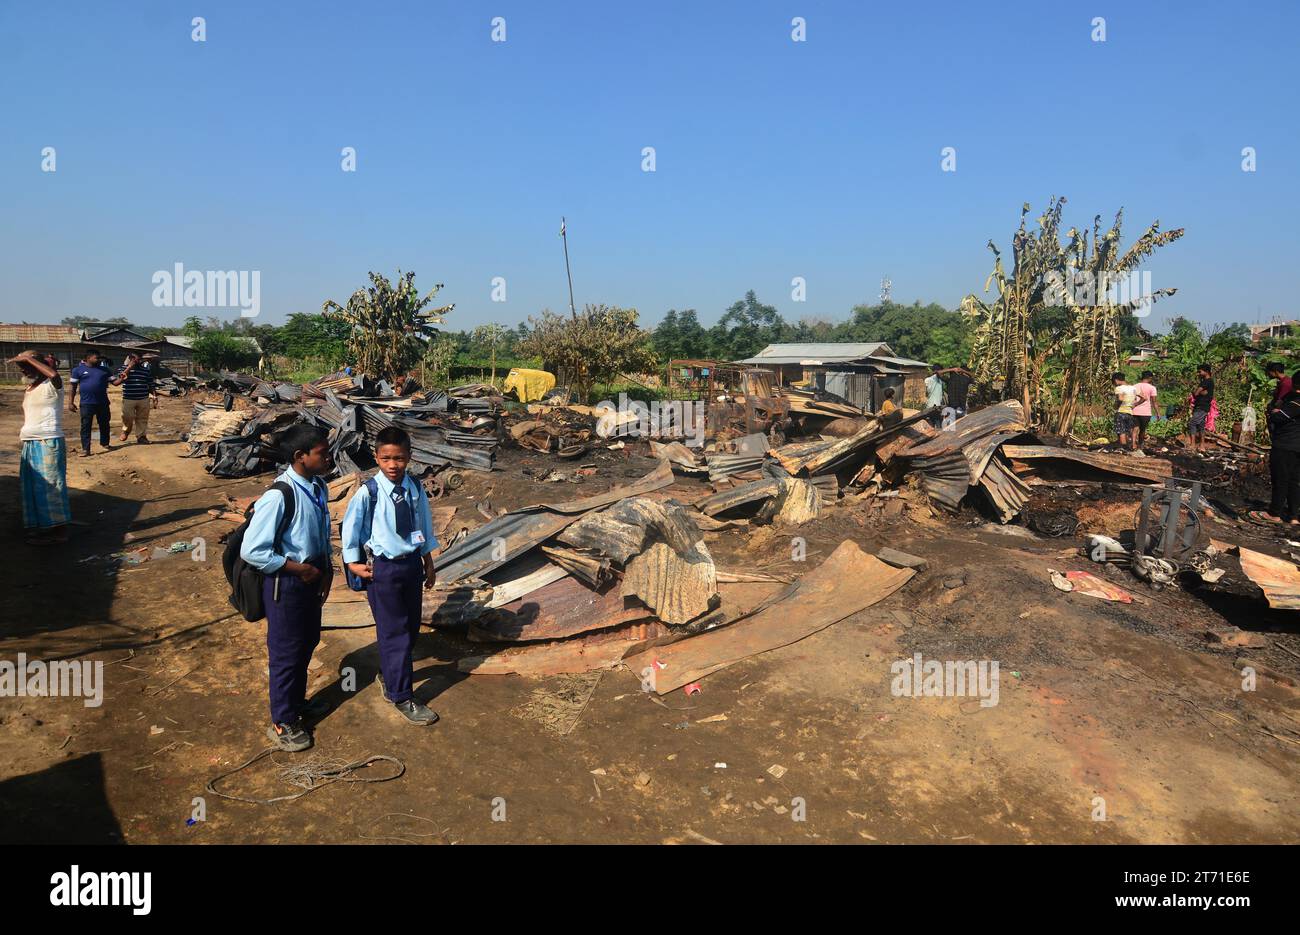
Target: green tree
x,y
193,327
593,347
216,350
486,339
930,333
746,328
388,324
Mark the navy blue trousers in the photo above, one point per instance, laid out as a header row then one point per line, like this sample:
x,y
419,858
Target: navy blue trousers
x,y
396,595
91,413
292,632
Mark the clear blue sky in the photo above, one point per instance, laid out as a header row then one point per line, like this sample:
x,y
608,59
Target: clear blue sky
x,y
775,159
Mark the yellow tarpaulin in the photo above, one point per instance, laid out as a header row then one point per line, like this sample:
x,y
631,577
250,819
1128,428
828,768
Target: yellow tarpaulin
x,y
529,385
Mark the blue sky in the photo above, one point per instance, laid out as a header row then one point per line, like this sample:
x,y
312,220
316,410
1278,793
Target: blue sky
x,y
774,158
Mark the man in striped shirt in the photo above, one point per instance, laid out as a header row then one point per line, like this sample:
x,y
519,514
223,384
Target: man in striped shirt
x,y
138,395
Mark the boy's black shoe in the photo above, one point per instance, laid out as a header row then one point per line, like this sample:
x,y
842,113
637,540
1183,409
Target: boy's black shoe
x,y
289,737
416,713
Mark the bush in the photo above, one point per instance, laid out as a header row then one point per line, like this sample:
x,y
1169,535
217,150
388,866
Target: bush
x,y
218,350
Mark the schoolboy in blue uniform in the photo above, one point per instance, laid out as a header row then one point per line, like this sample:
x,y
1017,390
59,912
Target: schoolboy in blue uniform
x,y
400,537
297,578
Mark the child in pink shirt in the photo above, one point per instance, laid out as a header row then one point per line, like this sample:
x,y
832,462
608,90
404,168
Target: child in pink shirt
x,y
1142,411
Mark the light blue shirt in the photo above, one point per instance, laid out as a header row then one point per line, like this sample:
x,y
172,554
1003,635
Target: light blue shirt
x,y
934,388
308,535
384,540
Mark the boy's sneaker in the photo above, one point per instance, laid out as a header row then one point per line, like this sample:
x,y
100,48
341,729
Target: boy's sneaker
x,y
289,737
416,713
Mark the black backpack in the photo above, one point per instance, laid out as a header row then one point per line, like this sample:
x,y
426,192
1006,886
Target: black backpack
x,y
245,580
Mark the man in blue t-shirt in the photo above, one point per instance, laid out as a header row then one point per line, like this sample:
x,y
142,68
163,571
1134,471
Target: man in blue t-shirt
x,y
91,377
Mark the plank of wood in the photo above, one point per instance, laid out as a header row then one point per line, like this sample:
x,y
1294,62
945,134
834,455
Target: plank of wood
x,y
848,581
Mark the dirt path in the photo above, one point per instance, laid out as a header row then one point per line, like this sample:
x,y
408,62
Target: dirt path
x,y
1125,704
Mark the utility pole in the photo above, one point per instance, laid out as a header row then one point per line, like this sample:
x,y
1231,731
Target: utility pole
x,y
565,237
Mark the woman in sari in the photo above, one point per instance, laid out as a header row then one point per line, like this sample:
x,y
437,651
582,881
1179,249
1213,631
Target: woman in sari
x,y
44,467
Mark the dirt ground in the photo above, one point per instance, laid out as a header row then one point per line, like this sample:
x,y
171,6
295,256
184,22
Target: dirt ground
x,y
1123,707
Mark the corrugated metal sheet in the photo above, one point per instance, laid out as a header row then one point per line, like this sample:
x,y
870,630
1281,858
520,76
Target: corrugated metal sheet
x,y
1276,577
39,334
816,353
603,649
676,587
1004,417
561,609
511,535
738,496
1005,491
1145,468
848,581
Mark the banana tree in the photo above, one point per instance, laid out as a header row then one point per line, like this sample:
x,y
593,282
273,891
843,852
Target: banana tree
x,y
390,325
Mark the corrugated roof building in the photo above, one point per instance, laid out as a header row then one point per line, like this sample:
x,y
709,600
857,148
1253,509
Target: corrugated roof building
x,y
856,371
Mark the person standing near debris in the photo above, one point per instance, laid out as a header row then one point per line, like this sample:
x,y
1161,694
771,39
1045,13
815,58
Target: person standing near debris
x,y
297,580
396,528
138,394
43,471
888,406
934,388
1126,397
91,377
1202,400
1144,408
958,385
1276,371
1284,461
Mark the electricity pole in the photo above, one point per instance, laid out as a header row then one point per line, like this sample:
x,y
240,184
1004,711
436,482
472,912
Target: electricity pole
x,y
565,237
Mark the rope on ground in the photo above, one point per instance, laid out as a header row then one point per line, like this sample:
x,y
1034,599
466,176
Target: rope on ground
x,y
406,836
312,773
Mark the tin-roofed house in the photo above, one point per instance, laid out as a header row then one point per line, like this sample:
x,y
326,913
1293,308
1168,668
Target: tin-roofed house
x,y
62,341
859,372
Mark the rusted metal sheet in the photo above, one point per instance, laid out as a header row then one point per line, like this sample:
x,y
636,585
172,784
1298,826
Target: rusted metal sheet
x,y
818,458
521,577
600,532
1125,465
601,650
843,450
666,520
795,455
737,496
913,434
1278,578
661,476
511,535
979,452
677,586
590,567
945,477
1004,417
559,610
724,465
848,581
675,453
796,502
1005,491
